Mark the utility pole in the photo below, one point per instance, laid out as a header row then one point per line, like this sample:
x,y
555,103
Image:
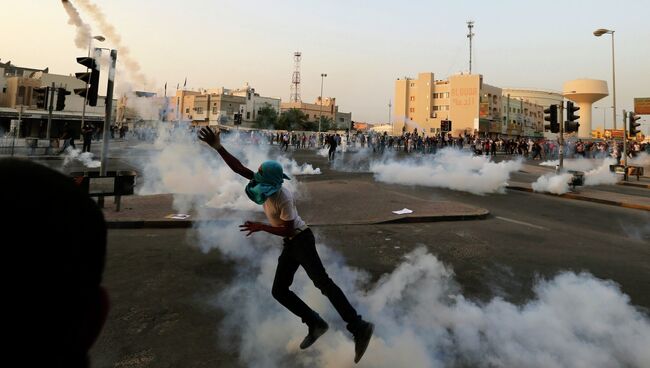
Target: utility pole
x,y
107,112
624,146
392,126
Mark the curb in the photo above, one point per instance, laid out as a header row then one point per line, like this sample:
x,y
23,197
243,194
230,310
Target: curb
x,y
586,199
637,185
186,224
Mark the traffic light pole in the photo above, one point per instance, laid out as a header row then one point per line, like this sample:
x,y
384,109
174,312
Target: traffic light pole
x,y
561,137
49,115
108,111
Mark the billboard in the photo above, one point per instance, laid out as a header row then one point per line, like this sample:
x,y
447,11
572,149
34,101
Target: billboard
x,y
642,106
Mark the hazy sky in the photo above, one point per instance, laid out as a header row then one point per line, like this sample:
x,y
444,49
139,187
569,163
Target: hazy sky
x,y
363,46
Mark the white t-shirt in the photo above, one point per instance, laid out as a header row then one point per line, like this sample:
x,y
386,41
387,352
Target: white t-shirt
x,y
282,207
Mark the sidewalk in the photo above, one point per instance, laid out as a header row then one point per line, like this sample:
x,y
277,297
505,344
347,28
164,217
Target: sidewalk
x,y
326,203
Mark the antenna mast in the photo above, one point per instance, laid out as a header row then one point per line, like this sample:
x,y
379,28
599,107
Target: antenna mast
x,y
295,80
470,35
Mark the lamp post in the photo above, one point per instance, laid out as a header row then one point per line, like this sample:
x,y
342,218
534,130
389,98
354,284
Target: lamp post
x,y
320,118
99,38
599,32
604,108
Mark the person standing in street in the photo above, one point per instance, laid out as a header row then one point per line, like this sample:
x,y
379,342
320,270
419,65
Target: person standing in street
x,y
299,249
332,151
87,133
68,138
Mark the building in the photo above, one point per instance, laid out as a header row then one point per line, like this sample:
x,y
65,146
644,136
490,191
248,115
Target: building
x,y
473,107
255,103
21,97
325,107
140,108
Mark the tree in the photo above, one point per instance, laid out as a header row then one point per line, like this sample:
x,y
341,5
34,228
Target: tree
x,y
292,119
267,118
326,123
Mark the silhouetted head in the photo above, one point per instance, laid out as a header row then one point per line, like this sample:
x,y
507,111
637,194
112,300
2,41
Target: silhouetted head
x,y
53,266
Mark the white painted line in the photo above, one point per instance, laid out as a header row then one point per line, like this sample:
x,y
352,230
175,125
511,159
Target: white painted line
x,y
521,223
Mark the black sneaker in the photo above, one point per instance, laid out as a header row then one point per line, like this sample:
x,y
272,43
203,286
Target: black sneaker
x,y
316,330
361,340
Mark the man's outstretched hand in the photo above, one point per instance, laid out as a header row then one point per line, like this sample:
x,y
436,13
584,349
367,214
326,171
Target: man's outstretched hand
x,y
207,135
251,227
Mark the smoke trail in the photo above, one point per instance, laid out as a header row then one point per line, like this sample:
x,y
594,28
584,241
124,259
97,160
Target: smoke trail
x,y
110,32
83,35
450,168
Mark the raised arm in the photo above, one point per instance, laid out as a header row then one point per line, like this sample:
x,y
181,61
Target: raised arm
x,y
207,135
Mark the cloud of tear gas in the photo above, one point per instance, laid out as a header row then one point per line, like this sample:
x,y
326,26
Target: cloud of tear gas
x,y
421,318
83,35
292,167
559,184
109,31
552,183
642,159
450,168
86,158
580,164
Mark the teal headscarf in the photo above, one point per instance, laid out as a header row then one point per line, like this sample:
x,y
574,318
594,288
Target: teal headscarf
x,y
266,182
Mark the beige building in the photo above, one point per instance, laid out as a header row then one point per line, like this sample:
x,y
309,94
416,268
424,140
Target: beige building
x,y
211,107
314,111
472,106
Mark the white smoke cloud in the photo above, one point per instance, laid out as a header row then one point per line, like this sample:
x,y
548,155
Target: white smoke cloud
x,y
643,159
86,158
559,183
553,183
291,166
450,168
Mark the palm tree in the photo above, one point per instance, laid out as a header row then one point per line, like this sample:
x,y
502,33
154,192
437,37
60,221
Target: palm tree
x,y
267,118
292,119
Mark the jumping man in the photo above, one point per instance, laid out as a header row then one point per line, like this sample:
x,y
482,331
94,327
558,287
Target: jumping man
x,y
265,188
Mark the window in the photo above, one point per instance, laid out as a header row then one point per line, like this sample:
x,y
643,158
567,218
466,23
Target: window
x,y
248,115
199,110
187,111
435,108
341,120
215,110
412,98
412,109
412,84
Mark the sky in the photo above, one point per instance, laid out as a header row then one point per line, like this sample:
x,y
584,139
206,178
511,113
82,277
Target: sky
x,y
363,46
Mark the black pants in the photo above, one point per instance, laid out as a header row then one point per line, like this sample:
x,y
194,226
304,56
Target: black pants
x,y
86,146
301,251
330,153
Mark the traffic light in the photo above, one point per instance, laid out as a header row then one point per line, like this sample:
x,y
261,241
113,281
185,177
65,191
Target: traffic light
x,y
91,78
40,97
445,125
60,98
554,126
633,126
238,119
571,125
352,125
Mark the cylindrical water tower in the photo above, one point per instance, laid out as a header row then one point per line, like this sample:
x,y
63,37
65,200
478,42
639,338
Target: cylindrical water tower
x,y
584,92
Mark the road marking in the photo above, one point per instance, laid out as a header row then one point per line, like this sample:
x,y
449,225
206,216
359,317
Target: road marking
x,y
521,223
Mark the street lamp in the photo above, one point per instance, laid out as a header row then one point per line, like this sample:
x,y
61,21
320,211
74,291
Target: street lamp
x,y
320,119
599,32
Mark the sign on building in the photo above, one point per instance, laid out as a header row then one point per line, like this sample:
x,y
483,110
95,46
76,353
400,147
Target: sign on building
x,y
642,106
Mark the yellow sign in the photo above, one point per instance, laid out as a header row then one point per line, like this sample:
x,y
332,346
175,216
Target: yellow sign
x,y
642,106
